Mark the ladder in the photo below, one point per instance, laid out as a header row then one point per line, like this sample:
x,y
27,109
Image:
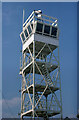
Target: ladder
x,y
46,74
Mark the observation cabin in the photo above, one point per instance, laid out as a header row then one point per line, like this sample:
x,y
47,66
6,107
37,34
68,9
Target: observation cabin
x,y
41,28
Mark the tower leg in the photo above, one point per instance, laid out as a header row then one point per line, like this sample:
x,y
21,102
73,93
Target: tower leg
x,y
21,117
33,80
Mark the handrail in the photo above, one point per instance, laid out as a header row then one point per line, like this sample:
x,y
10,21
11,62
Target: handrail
x,y
50,17
32,16
45,19
28,18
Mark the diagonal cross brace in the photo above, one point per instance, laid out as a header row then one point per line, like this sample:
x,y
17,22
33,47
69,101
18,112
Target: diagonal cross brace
x,y
41,95
28,91
47,84
40,51
52,53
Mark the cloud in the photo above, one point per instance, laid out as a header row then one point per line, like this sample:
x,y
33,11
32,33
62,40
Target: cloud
x,y
13,102
72,115
0,108
11,107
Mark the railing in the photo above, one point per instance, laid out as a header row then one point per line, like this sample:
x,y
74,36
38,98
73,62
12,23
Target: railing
x,y
27,21
27,61
50,105
42,106
38,78
28,107
29,79
43,17
41,59
44,20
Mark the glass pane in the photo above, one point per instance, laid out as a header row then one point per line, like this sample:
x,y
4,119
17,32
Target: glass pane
x,y
39,27
54,31
22,35
47,29
29,29
26,34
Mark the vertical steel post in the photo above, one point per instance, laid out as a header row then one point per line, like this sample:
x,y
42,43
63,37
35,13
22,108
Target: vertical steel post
x,y
23,16
21,90
33,80
22,77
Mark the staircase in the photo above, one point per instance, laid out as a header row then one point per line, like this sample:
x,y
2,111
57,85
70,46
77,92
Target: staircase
x,y
46,74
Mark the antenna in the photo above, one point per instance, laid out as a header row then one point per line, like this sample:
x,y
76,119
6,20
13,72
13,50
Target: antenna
x,y
23,15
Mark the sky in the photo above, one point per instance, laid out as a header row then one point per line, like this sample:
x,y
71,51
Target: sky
x,y
66,13
0,60
77,58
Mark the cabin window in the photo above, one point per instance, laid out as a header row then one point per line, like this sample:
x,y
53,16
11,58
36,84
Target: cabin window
x,y
54,31
39,27
47,29
26,34
29,29
22,35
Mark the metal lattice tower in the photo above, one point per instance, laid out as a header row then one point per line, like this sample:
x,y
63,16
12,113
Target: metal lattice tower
x,y
40,67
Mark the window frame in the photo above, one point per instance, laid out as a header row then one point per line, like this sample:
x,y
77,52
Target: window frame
x,y
56,34
42,33
49,30
30,29
21,36
36,27
33,30
27,33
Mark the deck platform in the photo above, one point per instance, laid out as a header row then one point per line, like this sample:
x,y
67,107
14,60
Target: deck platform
x,y
40,40
40,88
41,113
50,67
39,45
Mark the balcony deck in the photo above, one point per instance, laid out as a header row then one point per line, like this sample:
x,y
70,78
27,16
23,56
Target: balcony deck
x,y
50,67
40,40
40,88
41,113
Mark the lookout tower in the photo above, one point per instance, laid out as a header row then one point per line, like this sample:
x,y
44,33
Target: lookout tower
x,y
40,67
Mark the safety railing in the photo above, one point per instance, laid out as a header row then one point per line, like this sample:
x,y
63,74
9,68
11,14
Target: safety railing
x,y
34,16
25,63
28,107
29,79
49,106
49,26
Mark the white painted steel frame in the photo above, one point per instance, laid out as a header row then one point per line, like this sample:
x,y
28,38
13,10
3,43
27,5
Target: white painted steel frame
x,y
46,40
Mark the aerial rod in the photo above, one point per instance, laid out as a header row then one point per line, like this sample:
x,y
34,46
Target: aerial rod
x,y
23,16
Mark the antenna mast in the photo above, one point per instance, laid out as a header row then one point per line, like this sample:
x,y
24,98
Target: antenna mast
x,y
23,15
